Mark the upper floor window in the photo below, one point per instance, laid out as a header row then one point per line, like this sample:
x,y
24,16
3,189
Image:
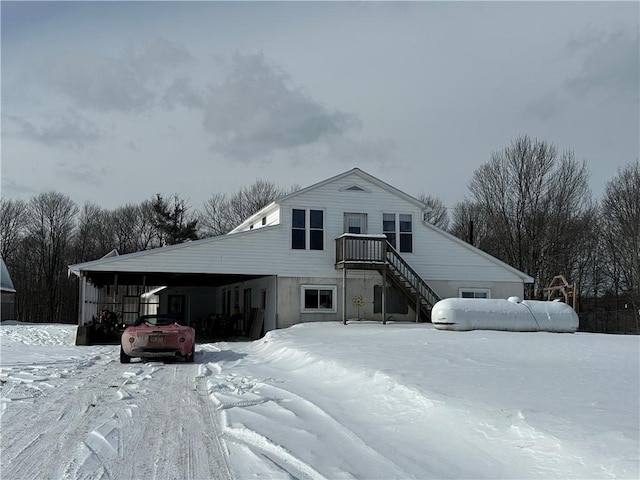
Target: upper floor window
x,y
399,230
307,229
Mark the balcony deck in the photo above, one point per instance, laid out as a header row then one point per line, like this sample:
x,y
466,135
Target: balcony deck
x,y
362,252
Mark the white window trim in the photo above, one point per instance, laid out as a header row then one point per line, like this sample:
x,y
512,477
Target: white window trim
x,y
308,229
475,290
397,231
334,294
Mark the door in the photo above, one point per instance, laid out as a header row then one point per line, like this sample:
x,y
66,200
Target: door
x,y
355,223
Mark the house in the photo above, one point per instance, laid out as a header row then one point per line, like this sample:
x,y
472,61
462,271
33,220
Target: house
x,y
351,246
7,294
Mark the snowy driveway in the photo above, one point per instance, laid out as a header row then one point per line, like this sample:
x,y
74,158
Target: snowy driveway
x,y
324,401
90,417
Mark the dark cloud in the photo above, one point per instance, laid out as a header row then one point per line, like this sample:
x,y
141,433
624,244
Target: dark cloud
x,y
68,129
257,112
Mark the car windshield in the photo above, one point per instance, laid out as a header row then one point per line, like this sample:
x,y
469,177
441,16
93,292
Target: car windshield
x,y
157,320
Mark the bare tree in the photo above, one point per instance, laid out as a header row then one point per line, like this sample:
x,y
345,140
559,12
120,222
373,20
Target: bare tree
x,y
222,213
467,224
46,252
436,212
93,236
620,216
535,207
13,221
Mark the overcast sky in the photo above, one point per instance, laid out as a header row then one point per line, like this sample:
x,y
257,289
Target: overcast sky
x,y
112,102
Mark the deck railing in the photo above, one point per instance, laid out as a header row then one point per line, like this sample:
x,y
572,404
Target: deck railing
x,y
375,252
365,249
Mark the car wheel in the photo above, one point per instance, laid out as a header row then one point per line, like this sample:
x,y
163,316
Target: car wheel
x,y
124,358
189,358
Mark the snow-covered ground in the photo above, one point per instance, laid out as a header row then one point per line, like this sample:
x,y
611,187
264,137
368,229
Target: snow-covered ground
x,y
325,401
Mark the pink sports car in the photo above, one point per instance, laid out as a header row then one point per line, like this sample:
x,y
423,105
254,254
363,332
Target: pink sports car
x,y
154,336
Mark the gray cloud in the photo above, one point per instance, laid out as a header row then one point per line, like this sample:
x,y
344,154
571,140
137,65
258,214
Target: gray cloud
x,y
83,173
181,92
68,129
133,81
256,112
609,69
611,63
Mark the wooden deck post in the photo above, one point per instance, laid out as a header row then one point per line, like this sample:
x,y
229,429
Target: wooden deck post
x,y
384,295
344,294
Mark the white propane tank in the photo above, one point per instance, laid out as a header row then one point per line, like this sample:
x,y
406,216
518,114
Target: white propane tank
x,y
512,314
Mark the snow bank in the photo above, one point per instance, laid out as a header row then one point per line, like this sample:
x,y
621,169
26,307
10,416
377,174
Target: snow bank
x,y
512,314
39,333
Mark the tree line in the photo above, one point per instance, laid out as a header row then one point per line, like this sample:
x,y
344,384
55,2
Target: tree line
x,y
529,206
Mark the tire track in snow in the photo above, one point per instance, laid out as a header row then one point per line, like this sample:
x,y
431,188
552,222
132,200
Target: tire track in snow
x,y
110,422
40,435
173,433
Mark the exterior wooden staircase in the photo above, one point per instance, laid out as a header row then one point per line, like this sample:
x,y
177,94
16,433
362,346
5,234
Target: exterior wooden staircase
x,y
362,252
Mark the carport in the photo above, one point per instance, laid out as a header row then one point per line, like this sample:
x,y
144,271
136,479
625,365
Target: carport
x,y
200,278
205,300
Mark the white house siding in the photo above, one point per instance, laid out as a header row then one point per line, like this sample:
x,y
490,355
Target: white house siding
x,y
271,214
445,262
89,300
265,251
436,256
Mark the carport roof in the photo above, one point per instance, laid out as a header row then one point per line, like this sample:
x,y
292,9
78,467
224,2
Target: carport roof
x,y
165,278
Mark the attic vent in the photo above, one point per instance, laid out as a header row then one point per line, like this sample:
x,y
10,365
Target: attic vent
x,y
355,188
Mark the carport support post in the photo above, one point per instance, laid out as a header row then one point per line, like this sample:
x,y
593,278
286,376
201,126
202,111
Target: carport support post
x,y
384,295
83,300
144,286
344,294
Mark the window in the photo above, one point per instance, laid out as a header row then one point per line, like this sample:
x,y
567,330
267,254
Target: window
x,y
316,232
299,228
318,298
401,229
389,227
406,234
355,223
475,293
264,220
298,224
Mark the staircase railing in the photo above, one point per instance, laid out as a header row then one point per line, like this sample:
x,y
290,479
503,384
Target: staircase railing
x,y
399,267
375,252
